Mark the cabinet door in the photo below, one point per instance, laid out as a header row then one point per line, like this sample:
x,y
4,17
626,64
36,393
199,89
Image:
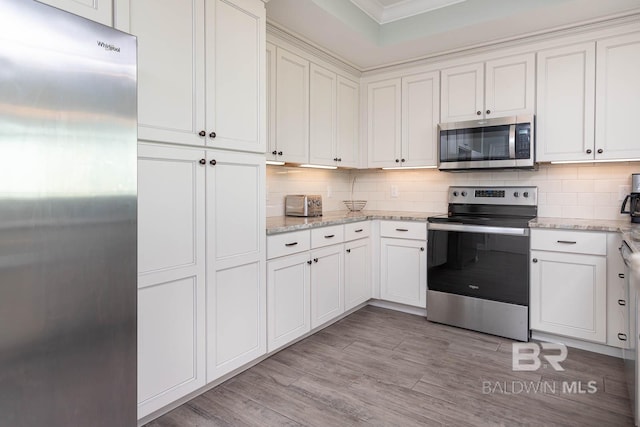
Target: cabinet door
x,y
420,115
348,123
97,10
509,86
357,273
462,93
236,288
292,107
327,284
384,127
566,103
288,299
617,295
171,90
235,41
171,275
618,95
403,271
270,65
569,295
322,117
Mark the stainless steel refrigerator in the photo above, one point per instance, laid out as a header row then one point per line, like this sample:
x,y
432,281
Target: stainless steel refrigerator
x,y
67,220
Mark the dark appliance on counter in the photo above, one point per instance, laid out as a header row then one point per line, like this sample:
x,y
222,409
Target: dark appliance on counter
x,y
633,200
68,220
502,143
477,262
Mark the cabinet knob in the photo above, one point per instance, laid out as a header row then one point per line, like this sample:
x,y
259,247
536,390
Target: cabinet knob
x,y
212,135
279,153
309,262
397,160
315,260
479,113
589,151
274,152
339,159
421,249
212,162
348,251
202,161
202,133
535,260
402,160
335,159
488,111
600,150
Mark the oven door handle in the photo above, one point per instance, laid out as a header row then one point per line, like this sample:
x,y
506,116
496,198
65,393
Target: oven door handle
x,y
479,229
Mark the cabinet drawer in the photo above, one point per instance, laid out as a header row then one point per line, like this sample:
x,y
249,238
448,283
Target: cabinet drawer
x,y
357,230
288,243
326,236
579,242
404,229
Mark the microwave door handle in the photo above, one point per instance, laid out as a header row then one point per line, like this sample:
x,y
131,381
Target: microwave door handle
x,y
512,141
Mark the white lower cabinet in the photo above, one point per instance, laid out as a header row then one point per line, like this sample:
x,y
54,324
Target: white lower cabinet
x,y
357,273
198,208
618,301
288,299
403,271
327,284
569,284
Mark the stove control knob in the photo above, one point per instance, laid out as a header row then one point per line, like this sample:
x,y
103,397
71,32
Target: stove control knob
x,y
455,194
516,194
525,194
464,194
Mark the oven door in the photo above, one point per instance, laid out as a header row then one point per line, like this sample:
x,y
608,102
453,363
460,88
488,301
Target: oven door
x,y
483,262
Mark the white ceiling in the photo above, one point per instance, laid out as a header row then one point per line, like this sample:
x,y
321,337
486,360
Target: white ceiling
x,y
343,28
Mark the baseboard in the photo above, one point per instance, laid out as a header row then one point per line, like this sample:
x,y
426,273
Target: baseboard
x,y
582,345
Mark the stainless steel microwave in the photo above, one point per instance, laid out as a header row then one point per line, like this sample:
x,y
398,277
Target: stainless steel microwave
x,y
501,143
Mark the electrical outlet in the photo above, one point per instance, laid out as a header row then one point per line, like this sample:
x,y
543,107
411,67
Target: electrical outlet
x,y
329,192
623,190
394,191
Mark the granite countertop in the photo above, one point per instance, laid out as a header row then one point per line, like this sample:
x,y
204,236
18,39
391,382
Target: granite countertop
x,y
284,224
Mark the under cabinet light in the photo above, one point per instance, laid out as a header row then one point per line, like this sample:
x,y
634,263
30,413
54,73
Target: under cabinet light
x,y
318,167
409,167
566,162
274,163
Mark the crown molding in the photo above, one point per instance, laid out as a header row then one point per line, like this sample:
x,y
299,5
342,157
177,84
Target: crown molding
x,y
312,48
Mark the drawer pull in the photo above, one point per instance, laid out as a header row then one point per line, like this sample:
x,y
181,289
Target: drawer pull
x,y
622,302
622,337
359,230
567,242
621,275
401,229
330,236
290,244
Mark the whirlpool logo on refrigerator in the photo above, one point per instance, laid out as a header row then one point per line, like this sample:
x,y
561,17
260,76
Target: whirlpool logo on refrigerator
x,y
108,47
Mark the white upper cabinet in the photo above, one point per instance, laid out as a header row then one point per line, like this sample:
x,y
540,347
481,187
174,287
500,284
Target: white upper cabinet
x,y
565,103
384,128
403,121
97,10
420,114
292,107
348,123
333,119
497,88
618,97
202,82
235,41
322,116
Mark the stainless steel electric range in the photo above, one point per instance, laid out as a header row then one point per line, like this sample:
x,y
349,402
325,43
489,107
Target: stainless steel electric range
x,y
477,265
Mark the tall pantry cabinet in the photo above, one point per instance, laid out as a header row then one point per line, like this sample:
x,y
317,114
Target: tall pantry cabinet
x,y
202,288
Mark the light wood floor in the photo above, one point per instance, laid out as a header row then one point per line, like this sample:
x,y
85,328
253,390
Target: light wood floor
x,y
384,368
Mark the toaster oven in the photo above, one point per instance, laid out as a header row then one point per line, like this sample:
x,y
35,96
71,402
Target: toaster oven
x,y
303,205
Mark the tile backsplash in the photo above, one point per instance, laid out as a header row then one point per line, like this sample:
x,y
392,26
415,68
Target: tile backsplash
x,y
589,191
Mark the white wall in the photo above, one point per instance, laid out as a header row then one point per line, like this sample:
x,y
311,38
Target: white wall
x,y
565,191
